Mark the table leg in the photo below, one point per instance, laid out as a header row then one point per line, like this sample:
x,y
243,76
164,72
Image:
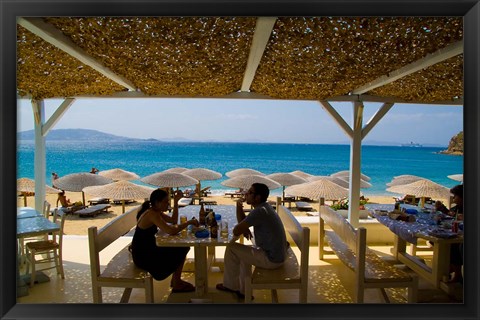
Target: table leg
x,y
201,275
440,262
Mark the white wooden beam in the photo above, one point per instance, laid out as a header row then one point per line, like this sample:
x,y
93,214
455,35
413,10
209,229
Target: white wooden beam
x,y
263,30
338,118
55,37
57,115
429,60
376,118
355,164
39,155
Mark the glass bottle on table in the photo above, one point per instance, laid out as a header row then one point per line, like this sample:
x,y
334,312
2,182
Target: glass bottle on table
x,y
202,215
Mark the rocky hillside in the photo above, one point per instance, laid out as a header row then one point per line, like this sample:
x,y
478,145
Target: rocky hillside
x,y
455,146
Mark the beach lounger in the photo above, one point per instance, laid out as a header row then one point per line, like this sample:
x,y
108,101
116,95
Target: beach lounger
x,y
94,201
127,201
303,206
92,211
183,202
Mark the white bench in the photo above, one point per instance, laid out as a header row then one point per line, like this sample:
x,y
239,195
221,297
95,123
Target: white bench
x,y
370,271
291,275
120,271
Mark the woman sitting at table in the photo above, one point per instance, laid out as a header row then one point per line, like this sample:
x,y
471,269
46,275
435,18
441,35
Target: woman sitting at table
x,y
160,262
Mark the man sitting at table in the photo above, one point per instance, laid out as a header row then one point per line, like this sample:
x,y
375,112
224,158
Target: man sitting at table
x,y
270,245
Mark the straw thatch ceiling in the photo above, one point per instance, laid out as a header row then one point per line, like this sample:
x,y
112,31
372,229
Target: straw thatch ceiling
x,y
317,58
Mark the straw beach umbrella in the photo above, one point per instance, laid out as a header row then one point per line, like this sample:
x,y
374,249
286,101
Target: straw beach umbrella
x,y
285,180
176,170
77,181
403,179
119,174
246,182
321,188
202,174
302,174
169,180
346,173
27,186
243,172
343,181
121,190
422,188
456,177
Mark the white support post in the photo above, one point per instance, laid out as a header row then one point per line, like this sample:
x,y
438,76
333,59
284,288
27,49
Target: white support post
x,y
40,158
355,164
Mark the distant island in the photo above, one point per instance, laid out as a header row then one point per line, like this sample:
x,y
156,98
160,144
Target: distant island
x,y
78,135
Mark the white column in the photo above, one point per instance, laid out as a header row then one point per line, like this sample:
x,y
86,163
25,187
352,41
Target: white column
x,y
355,164
40,158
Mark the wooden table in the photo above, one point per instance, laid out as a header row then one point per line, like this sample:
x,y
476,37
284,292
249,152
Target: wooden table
x,y
410,232
204,248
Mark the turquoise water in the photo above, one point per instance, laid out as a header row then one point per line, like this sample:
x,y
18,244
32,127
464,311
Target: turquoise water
x,y
380,163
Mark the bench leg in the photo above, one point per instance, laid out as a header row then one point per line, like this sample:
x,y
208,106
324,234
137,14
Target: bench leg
x,y
149,291
97,295
274,296
126,295
384,294
413,290
248,284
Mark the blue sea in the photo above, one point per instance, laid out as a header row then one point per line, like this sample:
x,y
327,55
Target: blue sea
x,y
380,163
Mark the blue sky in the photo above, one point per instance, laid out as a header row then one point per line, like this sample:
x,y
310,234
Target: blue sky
x,y
248,120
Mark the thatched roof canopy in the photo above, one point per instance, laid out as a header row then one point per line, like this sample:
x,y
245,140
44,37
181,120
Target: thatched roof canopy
x,y
315,58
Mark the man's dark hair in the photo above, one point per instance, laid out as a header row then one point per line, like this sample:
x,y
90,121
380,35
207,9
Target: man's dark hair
x,y
261,190
457,190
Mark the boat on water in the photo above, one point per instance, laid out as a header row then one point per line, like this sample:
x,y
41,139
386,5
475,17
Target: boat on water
x,y
411,144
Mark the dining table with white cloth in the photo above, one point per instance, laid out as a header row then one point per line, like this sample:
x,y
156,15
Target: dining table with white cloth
x,y
425,227
204,248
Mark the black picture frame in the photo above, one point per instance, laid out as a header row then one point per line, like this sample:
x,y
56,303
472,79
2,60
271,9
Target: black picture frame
x,y
469,9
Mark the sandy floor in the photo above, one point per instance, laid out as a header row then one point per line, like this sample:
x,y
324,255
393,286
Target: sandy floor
x,y
75,225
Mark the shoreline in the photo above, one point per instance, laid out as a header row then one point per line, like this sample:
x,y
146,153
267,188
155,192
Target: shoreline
x,y
74,225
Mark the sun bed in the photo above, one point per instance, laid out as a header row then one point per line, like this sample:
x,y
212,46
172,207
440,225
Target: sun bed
x,y
92,211
94,201
118,201
183,202
303,206
236,194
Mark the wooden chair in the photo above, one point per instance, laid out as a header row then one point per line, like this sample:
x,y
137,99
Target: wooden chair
x,y
49,249
121,271
22,241
291,275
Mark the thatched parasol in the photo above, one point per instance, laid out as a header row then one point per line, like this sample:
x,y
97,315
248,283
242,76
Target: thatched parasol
x,y
119,174
422,188
246,182
403,179
346,173
176,170
285,180
121,190
321,188
169,179
456,177
243,172
302,174
27,187
77,181
202,174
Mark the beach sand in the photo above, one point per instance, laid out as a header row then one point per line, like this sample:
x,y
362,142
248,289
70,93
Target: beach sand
x,y
74,225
